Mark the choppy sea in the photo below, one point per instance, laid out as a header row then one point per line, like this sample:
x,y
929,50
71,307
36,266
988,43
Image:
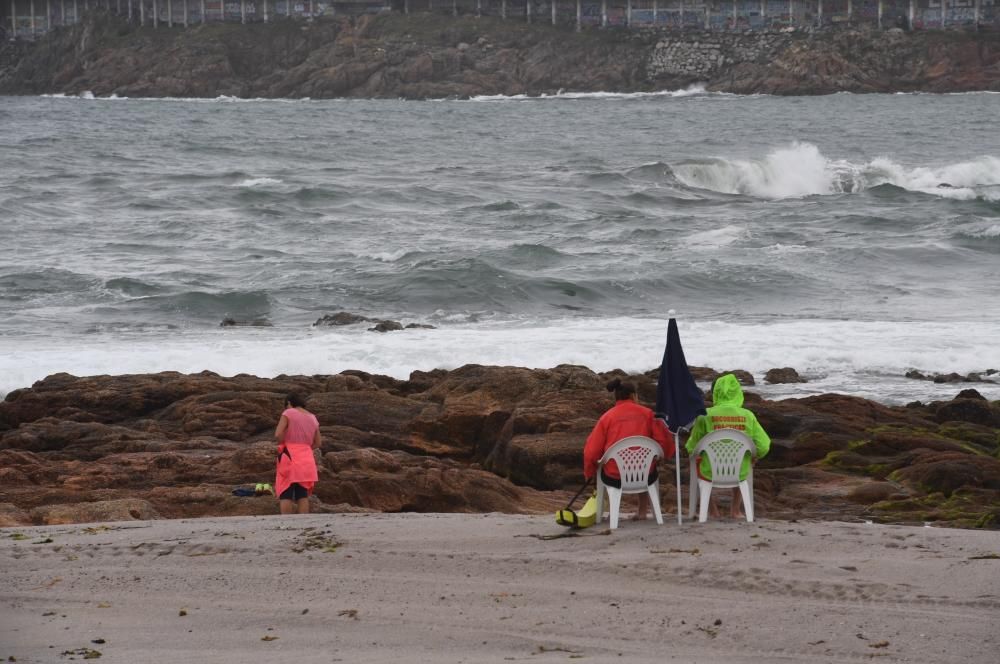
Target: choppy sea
x,y
852,237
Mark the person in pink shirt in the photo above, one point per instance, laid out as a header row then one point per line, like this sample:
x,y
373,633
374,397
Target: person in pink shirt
x,y
297,435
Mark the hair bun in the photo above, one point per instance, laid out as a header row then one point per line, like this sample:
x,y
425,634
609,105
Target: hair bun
x,y
614,384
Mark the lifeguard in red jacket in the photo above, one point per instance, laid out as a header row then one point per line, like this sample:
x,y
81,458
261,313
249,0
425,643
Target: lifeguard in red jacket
x,y
626,418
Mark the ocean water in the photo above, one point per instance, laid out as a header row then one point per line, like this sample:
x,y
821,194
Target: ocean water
x,y
852,237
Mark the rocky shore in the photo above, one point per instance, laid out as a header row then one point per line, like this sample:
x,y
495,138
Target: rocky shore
x,y
425,56
474,439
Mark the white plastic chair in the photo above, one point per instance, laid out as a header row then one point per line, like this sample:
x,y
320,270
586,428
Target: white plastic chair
x,y
726,449
634,457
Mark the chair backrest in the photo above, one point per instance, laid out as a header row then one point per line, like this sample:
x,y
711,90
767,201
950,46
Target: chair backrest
x,y
634,457
725,449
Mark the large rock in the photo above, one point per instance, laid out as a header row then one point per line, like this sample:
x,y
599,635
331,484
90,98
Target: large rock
x,y
341,318
974,411
400,482
783,375
114,398
12,515
128,509
874,492
174,502
546,461
474,439
946,472
804,448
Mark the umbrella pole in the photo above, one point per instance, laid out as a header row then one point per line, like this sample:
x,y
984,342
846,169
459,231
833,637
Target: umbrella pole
x,y
677,467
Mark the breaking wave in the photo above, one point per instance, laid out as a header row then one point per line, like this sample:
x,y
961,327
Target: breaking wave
x,y
801,170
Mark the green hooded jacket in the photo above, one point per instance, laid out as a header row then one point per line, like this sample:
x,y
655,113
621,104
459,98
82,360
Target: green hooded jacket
x,y
727,412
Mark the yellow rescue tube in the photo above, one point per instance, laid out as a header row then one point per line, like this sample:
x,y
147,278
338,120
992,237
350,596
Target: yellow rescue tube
x,y
584,517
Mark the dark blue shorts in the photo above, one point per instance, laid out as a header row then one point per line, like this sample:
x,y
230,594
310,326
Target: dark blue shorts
x,y
617,483
294,492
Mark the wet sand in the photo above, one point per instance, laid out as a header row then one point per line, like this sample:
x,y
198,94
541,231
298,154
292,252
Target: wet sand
x,y
496,588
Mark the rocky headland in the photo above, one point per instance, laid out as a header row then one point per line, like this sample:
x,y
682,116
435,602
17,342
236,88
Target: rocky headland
x,y
431,56
475,439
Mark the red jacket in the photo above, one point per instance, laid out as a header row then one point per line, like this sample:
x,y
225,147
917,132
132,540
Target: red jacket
x,y
626,418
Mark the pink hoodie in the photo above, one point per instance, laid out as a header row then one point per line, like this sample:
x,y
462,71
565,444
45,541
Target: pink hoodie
x,y
295,457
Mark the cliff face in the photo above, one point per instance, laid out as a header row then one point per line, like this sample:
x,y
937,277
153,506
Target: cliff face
x,y
422,56
843,61
386,56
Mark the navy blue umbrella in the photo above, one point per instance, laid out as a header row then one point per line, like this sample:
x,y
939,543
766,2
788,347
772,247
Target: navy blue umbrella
x,y
678,399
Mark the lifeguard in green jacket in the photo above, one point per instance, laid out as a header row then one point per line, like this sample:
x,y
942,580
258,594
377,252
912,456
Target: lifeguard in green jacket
x,y
727,412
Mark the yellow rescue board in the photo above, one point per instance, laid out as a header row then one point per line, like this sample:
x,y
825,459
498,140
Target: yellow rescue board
x,y
584,517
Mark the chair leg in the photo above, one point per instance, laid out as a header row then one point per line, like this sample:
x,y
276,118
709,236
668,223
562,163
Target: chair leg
x,y
615,500
600,499
705,495
692,491
654,499
747,500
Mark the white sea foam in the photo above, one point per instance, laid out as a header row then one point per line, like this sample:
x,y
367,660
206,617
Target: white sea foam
x,y
223,99
718,238
696,89
959,181
990,232
953,94
257,182
790,172
861,358
788,248
479,98
690,91
384,256
229,99
802,170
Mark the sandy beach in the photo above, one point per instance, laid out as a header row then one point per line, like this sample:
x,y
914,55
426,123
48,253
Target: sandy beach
x,y
496,588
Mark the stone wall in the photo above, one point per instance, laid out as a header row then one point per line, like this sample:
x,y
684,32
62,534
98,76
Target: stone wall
x,y
702,54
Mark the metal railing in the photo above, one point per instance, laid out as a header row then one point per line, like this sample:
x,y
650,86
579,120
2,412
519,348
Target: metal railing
x,y
26,19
